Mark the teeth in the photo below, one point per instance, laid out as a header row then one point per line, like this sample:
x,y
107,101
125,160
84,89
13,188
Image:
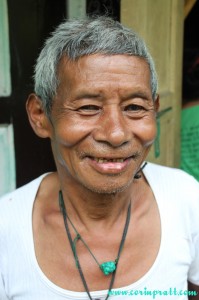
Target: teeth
x,y
104,160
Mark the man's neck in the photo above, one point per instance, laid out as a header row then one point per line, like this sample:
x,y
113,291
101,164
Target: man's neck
x,y
89,208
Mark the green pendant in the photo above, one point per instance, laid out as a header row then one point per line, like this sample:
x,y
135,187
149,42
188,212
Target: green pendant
x,y
108,267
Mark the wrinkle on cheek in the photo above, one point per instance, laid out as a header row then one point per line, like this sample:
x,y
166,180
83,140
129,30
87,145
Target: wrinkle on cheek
x,y
151,108
148,130
72,133
61,112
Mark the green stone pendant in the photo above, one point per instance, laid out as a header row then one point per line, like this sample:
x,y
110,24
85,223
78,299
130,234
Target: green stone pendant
x,y
108,267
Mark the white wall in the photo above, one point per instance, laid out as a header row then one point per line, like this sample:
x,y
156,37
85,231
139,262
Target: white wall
x,y
5,77
7,159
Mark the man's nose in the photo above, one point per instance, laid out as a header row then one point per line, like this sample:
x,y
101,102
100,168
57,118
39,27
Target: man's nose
x,y
113,128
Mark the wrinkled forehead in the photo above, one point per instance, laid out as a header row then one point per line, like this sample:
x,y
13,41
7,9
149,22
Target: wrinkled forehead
x,y
98,64
102,73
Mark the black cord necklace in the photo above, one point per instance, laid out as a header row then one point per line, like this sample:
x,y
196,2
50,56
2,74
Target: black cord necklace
x,y
138,175
107,267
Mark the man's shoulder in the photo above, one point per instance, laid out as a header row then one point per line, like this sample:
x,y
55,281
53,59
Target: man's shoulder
x,y
16,208
169,173
24,192
173,182
175,185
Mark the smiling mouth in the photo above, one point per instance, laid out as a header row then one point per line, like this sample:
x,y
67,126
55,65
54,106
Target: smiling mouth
x,y
111,165
107,160
102,160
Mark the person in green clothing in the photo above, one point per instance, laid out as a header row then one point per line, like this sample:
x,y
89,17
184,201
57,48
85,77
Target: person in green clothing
x,y
190,114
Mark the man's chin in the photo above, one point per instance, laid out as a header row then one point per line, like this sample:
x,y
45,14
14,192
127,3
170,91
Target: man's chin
x,y
108,189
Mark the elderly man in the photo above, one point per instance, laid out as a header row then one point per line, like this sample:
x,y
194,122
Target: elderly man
x,y
105,224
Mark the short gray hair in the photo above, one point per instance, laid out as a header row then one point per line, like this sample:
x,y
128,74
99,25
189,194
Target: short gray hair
x,y
78,38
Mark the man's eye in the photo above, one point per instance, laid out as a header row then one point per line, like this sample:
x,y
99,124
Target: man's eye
x,y
134,107
89,108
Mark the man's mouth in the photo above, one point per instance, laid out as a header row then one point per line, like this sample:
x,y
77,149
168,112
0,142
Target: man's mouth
x,y
102,160
111,165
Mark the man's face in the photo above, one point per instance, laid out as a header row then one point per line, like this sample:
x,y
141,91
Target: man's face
x,y
103,120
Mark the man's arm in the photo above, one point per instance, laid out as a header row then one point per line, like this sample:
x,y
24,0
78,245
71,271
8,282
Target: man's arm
x,y
193,287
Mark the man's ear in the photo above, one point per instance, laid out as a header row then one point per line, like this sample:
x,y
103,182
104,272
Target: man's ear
x,y
157,103
37,117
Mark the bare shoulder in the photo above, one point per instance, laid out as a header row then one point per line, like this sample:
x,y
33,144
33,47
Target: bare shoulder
x,y
46,194
49,185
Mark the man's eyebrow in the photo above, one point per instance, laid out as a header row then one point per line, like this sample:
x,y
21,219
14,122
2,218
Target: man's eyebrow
x,y
87,95
145,95
137,94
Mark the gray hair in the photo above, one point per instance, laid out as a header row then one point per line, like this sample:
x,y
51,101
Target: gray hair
x,y
77,38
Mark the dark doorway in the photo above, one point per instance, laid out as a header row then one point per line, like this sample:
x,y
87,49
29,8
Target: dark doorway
x,y
30,22
191,52
191,26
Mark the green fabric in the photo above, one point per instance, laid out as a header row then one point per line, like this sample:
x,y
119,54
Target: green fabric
x,y
190,141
